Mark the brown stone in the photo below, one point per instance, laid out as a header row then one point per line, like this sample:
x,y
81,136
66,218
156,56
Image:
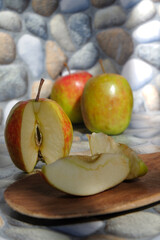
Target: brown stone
x,y
44,7
7,48
116,43
55,59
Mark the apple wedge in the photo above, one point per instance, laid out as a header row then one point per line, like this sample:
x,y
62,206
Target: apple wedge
x,y
37,130
87,175
102,143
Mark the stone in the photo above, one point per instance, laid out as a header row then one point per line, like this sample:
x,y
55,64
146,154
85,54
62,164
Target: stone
x,y
10,21
1,115
13,81
1,4
104,237
138,73
1,222
79,25
84,58
106,17
138,103
135,225
156,82
36,25
149,52
30,49
147,32
44,7
33,233
7,48
60,33
151,97
102,3
17,5
142,12
129,3
97,70
55,59
116,43
157,208
72,6
45,91
158,10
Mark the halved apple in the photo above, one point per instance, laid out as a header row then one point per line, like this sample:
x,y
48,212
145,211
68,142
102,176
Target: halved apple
x,y
102,143
37,130
87,175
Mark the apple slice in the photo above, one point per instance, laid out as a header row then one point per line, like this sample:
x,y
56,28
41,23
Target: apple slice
x,y
102,143
87,175
37,130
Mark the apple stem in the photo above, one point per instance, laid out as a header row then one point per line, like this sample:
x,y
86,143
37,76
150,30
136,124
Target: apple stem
x,y
101,64
65,64
39,89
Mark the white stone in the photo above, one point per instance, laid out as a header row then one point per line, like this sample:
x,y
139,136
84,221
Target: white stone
x,y
151,97
141,13
31,51
60,32
45,91
135,225
10,21
138,73
147,32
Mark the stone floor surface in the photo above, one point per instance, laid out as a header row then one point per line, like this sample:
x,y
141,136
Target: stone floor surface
x,y
143,135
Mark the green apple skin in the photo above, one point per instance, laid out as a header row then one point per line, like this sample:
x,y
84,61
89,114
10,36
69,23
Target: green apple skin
x,y
107,103
67,91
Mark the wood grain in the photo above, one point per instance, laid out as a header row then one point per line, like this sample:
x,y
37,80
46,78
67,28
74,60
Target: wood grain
x,y
32,196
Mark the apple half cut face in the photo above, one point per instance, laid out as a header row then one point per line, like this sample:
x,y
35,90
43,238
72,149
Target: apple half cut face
x,y
37,130
87,175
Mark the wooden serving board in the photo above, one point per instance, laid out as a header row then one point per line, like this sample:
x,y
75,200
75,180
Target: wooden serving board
x,y
32,196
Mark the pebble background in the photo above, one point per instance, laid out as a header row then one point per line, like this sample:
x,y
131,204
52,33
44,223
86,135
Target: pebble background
x,y
38,36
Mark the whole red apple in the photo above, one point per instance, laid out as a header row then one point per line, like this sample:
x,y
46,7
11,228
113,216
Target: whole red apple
x,y
67,91
107,103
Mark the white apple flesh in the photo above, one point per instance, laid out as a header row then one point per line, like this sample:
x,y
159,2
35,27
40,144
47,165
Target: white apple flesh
x,y
87,175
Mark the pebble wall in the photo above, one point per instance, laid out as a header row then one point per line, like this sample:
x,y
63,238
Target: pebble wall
x,y
38,36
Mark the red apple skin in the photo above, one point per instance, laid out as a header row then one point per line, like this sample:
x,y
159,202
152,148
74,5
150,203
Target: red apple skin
x,y
67,91
107,103
13,131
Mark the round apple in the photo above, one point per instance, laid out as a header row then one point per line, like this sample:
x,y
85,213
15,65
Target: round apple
x,y
107,103
67,91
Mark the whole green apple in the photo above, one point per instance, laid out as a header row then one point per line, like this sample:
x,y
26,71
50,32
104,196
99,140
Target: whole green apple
x,y
107,103
67,91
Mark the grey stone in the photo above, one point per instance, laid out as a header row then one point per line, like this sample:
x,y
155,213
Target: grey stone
x,y
72,6
44,7
141,13
10,21
31,51
129,3
1,115
110,16
150,52
36,25
108,67
101,3
135,225
7,48
84,58
147,32
13,81
138,73
138,103
116,43
1,4
79,25
60,32
17,5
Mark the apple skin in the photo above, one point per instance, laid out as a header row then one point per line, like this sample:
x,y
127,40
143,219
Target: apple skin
x,y
107,103
67,91
13,136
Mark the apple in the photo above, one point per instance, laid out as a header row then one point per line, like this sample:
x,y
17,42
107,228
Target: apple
x,y
87,175
37,130
67,91
107,103
102,143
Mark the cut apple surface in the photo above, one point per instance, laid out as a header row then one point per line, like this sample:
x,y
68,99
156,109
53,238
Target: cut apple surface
x,y
102,143
37,130
87,175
